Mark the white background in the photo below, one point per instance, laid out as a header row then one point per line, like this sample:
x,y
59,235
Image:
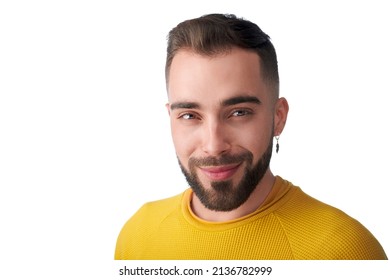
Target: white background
x,y
85,137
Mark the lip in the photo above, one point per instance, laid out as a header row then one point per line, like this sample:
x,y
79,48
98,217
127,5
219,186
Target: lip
x,y
220,173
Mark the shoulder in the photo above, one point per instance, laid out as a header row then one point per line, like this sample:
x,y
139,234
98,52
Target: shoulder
x,y
152,213
144,223
158,210
319,231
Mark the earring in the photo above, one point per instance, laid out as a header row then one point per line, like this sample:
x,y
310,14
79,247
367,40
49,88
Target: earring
x,y
277,143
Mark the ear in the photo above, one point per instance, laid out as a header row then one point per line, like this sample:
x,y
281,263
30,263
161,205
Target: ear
x,y
280,117
168,108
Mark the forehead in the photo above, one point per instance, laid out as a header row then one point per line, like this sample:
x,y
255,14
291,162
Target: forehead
x,y
200,78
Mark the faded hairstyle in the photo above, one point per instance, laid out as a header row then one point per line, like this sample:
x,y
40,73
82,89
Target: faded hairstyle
x,y
214,34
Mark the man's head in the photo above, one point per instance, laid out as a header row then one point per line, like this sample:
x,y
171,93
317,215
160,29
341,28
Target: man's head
x,y
222,83
215,34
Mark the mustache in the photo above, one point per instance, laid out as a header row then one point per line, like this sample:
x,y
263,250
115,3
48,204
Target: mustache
x,y
221,160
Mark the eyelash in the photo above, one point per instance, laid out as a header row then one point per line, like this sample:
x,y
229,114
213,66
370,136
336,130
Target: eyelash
x,y
183,116
244,112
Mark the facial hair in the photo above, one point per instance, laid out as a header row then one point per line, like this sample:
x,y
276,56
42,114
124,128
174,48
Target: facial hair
x,y
224,195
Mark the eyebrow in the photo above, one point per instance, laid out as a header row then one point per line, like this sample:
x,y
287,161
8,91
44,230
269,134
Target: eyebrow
x,y
240,99
228,102
185,105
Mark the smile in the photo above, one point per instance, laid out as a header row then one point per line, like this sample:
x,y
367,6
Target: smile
x,y
220,173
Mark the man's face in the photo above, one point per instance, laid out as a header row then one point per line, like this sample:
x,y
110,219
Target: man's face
x,y
222,121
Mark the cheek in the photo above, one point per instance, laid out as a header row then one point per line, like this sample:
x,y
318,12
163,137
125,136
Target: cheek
x,y
184,143
255,139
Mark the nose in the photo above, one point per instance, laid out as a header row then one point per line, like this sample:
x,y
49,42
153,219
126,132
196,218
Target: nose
x,y
215,138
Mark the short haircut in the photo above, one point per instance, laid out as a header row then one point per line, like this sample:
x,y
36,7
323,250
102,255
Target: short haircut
x,y
214,34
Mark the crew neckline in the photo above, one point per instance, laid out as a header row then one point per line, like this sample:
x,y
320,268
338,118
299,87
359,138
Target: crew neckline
x,y
276,198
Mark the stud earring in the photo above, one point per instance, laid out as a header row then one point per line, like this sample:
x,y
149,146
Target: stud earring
x,y
277,143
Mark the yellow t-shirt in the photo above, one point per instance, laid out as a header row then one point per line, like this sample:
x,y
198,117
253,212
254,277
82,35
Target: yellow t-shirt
x,y
289,225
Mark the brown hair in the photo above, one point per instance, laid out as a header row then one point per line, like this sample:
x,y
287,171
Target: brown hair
x,y
217,33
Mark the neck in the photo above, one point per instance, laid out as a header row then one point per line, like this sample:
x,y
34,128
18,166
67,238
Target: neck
x,y
254,201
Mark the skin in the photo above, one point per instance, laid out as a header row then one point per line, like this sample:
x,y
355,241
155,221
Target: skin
x,y
221,105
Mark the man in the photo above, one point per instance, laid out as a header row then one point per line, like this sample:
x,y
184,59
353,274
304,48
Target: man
x,y
225,110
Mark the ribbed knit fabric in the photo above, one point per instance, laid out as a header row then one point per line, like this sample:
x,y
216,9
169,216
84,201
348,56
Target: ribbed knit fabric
x,y
289,225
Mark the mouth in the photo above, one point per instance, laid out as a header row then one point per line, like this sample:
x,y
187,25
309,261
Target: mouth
x,y
220,173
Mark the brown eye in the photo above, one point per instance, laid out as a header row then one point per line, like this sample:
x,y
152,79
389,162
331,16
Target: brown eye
x,y
241,113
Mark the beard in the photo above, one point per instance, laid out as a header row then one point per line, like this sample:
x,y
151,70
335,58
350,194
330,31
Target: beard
x,y
224,195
